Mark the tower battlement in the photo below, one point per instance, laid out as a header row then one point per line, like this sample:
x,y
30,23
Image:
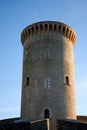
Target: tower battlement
x,y
45,26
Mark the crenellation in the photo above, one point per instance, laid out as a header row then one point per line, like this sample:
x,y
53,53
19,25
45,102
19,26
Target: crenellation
x,y
48,26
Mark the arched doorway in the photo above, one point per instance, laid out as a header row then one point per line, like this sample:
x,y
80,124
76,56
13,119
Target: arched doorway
x,y
46,113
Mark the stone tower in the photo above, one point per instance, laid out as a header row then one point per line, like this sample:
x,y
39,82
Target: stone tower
x,y
48,71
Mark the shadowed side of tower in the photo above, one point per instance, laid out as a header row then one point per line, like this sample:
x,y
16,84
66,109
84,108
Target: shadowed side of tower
x,y
48,71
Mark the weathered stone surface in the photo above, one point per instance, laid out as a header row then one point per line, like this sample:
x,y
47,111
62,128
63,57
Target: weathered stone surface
x,y
48,71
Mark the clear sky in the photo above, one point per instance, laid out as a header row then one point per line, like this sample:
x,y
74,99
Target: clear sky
x,y
15,15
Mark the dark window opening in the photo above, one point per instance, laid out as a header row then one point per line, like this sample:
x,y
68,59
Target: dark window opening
x,y
46,113
37,28
67,80
46,27
67,32
55,27
32,29
28,81
29,32
63,30
59,28
70,34
41,27
26,32
50,27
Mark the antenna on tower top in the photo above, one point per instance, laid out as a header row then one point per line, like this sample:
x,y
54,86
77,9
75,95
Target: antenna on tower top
x,y
47,9
34,15
60,19
34,11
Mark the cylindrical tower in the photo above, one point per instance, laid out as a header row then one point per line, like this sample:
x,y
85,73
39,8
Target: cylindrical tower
x,y
48,71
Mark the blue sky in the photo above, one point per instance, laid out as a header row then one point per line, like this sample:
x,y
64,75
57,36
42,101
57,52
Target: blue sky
x,y
15,15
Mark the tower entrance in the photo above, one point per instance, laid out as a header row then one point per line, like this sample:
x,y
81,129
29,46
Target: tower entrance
x,y
46,113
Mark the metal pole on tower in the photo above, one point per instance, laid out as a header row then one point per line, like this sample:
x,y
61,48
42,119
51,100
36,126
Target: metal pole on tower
x,y
47,9
34,15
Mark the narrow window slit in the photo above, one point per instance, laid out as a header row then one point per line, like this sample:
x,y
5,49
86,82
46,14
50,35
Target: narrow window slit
x,y
27,81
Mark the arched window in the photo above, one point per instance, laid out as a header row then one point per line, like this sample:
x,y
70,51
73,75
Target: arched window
x,y
67,80
27,81
46,113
